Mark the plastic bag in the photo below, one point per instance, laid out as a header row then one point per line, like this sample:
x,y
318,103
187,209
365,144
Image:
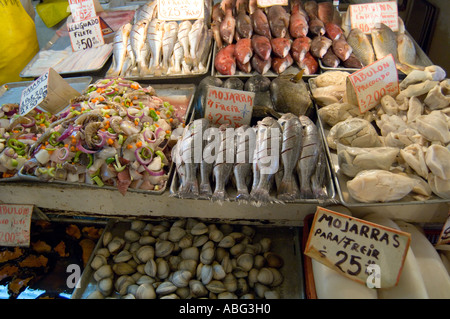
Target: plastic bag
x,y
19,41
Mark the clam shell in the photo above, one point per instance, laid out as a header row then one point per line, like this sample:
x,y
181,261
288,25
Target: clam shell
x,y
174,262
271,294
170,296
226,229
134,247
227,264
273,260
131,235
188,264
183,292
163,248
122,256
145,279
121,284
163,268
237,249
147,240
158,230
190,223
248,231
115,245
190,253
200,240
151,268
227,242
166,288
145,253
103,272
260,289
137,225
96,294
164,235
207,255
197,288
247,296
140,269
265,244
107,237
103,251
129,296
259,262
199,229
237,236
216,286
186,241
181,278
176,233
131,289
98,261
277,277
105,286
206,274
226,295
218,271
230,282
145,291
242,287
221,253
253,277
123,269
245,261
265,276
216,235
180,223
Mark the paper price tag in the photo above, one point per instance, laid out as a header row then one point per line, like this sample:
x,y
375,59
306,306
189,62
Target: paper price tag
x,y
82,9
373,82
228,106
364,16
86,34
180,9
352,246
269,3
444,237
33,95
15,223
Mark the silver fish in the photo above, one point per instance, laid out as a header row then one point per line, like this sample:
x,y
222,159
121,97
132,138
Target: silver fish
x,y
191,152
177,58
179,166
406,49
138,35
206,166
291,148
361,45
318,177
194,39
242,169
268,143
146,12
183,37
168,43
154,39
203,51
309,155
120,49
223,164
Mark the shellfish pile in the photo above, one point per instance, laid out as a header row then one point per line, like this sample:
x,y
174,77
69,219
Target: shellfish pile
x,y
186,259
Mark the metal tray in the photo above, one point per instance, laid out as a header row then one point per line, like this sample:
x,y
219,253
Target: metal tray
x,y
285,241
293,69
172,91
12,93
340,180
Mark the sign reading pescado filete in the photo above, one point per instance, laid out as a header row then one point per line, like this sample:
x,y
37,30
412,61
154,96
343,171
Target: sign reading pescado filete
x,y
15,221
364,16
349,245
228,106
367,86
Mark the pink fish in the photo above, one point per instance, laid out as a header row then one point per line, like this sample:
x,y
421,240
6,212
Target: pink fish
x,y
279,65
342,49
246,67
309,64
261,66
299,48
280,46
260,23
261,46
319,46
225,62
333,31
227,27
243,50
298,25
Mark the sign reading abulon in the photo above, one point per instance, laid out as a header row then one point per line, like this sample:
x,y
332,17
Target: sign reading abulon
x,y
351,246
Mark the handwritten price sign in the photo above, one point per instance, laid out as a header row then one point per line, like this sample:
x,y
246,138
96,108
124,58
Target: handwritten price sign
x,y
269,3
180,9
34,94
375,81
228,106
82,9
351,246
15,223
364,16
86,34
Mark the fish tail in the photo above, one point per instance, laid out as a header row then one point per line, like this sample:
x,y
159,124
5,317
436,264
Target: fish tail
x,y
189,190
306,192
219,196
205,190
288,189
261,196
242,196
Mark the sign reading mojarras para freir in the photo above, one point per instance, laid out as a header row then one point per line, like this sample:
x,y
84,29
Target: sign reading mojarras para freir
x,y
349,245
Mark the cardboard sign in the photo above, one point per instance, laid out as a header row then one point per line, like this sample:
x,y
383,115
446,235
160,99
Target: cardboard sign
x,y
82,9
364,16
269,3
50,92
444,237
352,246
180,9
228,106
15,223
373,82
86,34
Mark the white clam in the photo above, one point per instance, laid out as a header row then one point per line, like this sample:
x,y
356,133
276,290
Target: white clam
x,y
131,235
199,229
163,248
145,253
166,288
151,268
181,278
176,233
145,291
197,288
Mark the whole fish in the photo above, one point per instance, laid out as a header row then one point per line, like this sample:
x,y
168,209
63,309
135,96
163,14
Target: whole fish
x,y
130,63
279,65
244,67
145,57
217,13
342,49
384,41
205,50
244,27
228,27
361,45
319,175
206,166
330,59
146,11
280,46
242,169
138,35
223,165
267,155
190,149
227,5
215,27
233,83
252,6
309,155
194,38
261,46
225,62
325,11
316,26
169,38
333,31
299,48
260,23
177,58
278,21
291,147
243,50
309,64
298,24
120,49
320,46
406,49
353,62
183,37
311,7
155,34
179,166
261,66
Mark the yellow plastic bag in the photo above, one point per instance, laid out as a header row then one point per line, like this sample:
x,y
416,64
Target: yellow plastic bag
x,y
19,42
53,11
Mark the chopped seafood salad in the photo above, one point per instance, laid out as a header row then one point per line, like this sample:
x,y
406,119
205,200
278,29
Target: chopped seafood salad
x,y
117,133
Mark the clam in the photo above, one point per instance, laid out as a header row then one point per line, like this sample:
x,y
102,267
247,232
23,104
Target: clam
x,y
216,286
237,236
259,261
218,271
137,225
140,269
197,288
190,253
164,235
273,260
237,249
131,235
107,237
148,228
239,273
206,274
179,223
147,240
226,295
105,286
265,244
253,277
215,235
227,242
145,253
151,268
277,277
199,229
208,244
247,296
115,245
265,276
242,287
271,294
131,289
163,248
183,292
122,257
248,231
170,296
162,268
145,291
122,283
207,255
188,264
98,261
176,233
200,240
174,262
104,271
181,278
252,249
227,264
129,296
245,261
190,223
96,294
226,229
134,247
103,251
186,241
136,276
145,279
221,253
123,269
166,288
261,289
133,263
158,230
230,283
